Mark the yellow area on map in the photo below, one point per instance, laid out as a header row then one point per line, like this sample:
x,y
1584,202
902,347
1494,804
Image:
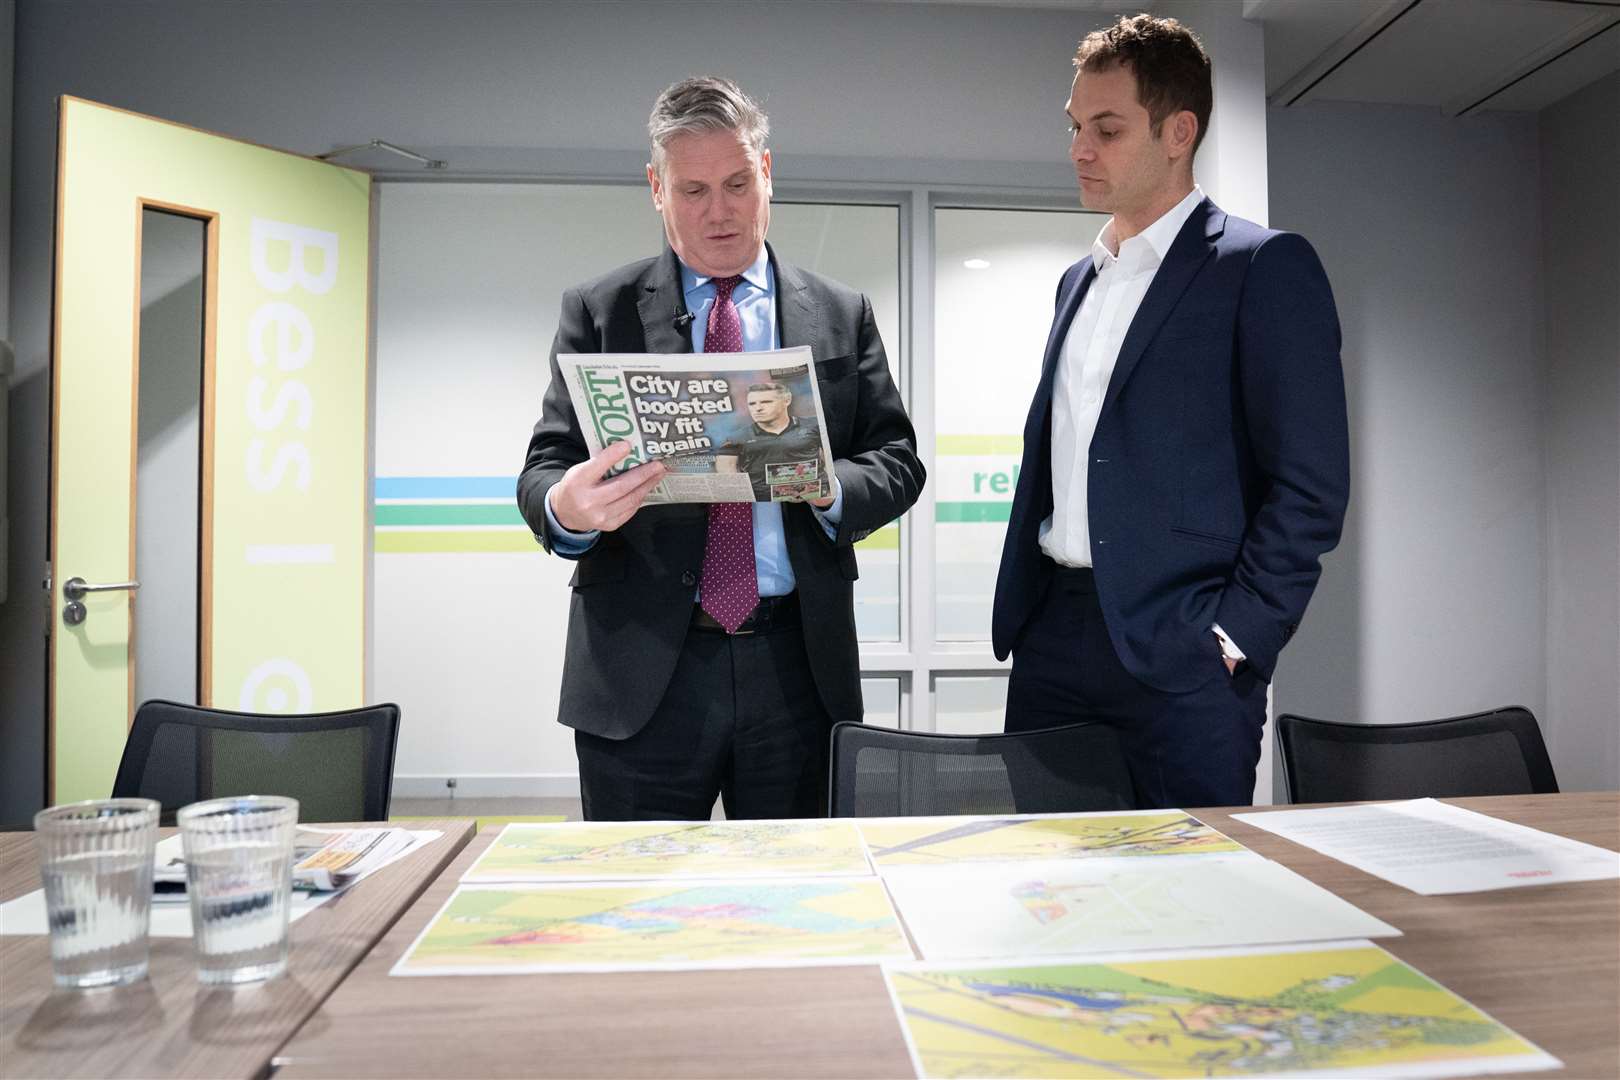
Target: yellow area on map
x,y
528,928
924,841
601,852
1342,1009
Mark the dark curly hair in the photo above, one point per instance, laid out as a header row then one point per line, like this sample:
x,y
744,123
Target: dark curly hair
x,y
1171,68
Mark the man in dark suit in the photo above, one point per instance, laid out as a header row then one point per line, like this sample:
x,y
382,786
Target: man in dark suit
x,y
774,436
690,667
1186,458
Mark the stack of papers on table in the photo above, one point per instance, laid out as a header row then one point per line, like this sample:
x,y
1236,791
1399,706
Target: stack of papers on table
x,y
1138,943
325,860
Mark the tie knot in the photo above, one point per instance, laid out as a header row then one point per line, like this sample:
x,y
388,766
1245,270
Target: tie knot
x,y
724,285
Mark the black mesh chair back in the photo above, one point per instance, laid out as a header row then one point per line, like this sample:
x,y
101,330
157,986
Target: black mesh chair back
x,y
1488,753
881,772
339,765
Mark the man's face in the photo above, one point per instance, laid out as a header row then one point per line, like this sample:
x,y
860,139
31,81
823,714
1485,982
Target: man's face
x,y
715,196
1122,168
767,407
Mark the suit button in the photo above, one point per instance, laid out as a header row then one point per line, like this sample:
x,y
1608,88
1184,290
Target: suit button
x,y
688,578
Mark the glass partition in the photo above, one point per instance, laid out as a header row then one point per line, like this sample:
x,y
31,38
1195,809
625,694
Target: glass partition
x,y
995,275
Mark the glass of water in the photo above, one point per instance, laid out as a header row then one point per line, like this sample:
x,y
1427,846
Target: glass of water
x,y
239,856
96,861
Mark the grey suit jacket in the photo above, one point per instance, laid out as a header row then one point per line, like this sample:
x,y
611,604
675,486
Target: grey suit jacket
x,y
632,591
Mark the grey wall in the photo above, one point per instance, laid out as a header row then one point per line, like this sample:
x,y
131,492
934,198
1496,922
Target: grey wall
x,y
1580,177
1428,226
8,16
1476,264
8,12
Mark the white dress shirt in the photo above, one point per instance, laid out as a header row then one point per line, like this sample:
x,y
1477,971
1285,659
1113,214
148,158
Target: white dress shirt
x,y
1090,351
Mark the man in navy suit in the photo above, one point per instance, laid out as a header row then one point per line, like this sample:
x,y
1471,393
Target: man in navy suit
x,y
1186,457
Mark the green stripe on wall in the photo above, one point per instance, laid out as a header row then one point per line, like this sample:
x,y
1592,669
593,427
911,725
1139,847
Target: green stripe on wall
x,y
423,541
978,445
453,514
972,511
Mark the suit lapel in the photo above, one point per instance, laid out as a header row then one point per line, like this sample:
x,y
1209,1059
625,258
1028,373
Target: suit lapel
x,y
798,316
662,301
1193,246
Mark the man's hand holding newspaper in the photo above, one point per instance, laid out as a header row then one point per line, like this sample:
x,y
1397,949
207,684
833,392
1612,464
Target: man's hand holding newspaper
x,y
591,496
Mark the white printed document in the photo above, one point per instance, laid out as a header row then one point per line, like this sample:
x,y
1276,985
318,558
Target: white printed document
x,y
1075,907
1433,848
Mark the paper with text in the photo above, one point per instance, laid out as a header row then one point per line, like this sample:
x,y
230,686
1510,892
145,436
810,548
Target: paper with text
x,y
1432,847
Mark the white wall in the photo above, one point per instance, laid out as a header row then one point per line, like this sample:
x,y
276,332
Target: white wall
x,y
897,93
1580,176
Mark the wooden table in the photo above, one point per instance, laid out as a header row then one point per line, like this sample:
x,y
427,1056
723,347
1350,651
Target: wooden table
x,y
170,1025
1543,960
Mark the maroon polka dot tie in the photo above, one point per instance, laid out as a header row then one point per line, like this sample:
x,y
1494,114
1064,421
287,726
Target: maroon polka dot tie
x,y
730,587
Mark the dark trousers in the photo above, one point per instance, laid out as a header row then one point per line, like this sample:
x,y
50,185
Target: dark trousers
x,y
741,719
1193,749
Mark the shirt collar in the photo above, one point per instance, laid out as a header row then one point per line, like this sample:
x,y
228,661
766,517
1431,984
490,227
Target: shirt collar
x,y
758,275
1148,247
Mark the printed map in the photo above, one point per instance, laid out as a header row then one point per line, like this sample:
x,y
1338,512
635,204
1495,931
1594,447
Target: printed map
x,y
593,851
1348,1009
658,925
919,841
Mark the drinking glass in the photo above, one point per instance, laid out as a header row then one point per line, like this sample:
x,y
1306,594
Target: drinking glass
x,y
239,856
96,861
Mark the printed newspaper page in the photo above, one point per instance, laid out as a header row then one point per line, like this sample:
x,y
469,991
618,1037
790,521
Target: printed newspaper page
x,y
731,427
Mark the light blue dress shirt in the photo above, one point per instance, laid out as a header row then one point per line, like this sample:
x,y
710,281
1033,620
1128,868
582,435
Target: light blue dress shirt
x,y
755,297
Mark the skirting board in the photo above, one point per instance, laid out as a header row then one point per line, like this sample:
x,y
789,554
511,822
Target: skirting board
x,y
534,786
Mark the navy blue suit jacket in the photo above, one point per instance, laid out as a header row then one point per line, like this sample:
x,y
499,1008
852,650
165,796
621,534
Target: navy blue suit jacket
x,y
1220,467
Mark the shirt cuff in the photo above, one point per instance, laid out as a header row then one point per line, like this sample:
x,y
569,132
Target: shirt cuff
x,y
831,517
564,541
1229,647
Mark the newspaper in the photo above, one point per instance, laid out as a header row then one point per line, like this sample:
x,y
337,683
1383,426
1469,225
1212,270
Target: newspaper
x,y
730,427
323,859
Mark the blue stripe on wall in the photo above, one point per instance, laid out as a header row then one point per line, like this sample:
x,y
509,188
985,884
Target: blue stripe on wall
x,y
447,487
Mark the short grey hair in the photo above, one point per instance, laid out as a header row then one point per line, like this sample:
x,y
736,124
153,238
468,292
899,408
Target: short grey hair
x,y
705,103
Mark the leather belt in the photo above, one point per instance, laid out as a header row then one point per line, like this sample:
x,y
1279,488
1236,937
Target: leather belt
x,y
771,613
1080,579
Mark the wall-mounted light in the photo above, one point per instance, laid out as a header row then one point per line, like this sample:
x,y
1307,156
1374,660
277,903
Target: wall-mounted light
x,y
976,264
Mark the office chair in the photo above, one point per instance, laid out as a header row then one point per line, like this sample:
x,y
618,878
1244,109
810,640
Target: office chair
x,y
1489,753
881,772
338,765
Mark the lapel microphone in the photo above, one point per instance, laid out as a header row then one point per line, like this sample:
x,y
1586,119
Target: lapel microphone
x,y
682,320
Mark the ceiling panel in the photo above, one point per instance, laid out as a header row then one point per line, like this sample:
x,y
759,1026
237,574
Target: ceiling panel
x,y
1556,81
1298,31
1442,48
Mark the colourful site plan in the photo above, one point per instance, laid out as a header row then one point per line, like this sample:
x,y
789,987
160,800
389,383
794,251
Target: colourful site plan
x,y
1350,1009
935,841
1076,907
598,851
658,925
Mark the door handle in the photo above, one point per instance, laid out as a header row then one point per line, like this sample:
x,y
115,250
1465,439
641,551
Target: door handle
x,y
75,588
